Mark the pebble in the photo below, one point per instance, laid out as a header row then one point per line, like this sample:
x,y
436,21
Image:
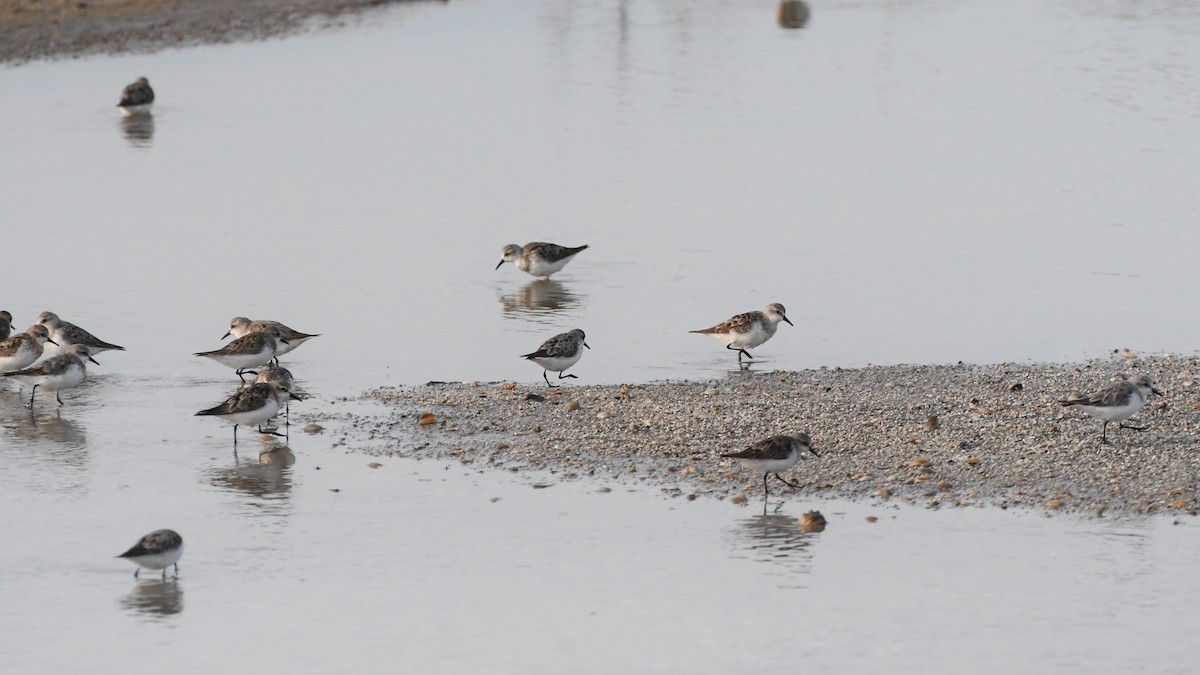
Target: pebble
x,y
812,521
313,428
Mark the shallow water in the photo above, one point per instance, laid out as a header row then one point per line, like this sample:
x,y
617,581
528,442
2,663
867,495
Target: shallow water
x,y
916,182
419,566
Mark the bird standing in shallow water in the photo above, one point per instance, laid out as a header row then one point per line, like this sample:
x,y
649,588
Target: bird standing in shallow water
x,y
1116,403
136,98
252,405
156,551
249,351
748,330
538,258
65,334
775,454
22,349
240,326
56,373
559,353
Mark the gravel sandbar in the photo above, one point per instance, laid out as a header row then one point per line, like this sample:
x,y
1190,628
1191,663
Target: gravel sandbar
x,y
1000,437
43,29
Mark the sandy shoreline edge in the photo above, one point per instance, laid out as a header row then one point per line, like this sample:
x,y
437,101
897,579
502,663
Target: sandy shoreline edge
x,y
1001,438
33,30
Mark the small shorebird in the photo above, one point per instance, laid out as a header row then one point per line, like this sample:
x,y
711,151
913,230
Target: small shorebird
x,y
283,376
22,349
559,353
5,324
249,351
748,330
64,334
252,405
1116,403
56,373
240,326
137,98
775,454
538,258
156,551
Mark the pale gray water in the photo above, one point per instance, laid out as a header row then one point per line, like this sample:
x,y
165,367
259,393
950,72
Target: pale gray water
x,y
923,182
412,568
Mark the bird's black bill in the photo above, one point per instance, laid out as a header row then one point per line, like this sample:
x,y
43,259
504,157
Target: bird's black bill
x,y
814,452
1155,391
294,397
586,345
788,322
499,264
93,360
52,342
225,335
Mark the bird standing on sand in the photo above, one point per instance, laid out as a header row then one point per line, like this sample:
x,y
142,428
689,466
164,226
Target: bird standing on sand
x,y
748,330
538,258
775,454
1116,403
559,353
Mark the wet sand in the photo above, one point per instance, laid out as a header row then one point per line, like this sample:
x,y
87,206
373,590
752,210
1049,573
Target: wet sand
x,y
1000,437
44,29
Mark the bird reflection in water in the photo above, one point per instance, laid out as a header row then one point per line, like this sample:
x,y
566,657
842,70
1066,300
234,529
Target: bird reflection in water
x,y
154,598
269,475
138,130
40,424
542,295
776,538
793,14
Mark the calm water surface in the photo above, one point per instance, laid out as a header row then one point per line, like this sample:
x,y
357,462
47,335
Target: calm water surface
x,y
915,181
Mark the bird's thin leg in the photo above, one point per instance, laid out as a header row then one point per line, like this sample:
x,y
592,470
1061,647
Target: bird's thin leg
x,y
561,376
781,480
164,578
31,394
272,433
739,350
135,572
240,377
766,490
547,379
58,397
235,438
1104,432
